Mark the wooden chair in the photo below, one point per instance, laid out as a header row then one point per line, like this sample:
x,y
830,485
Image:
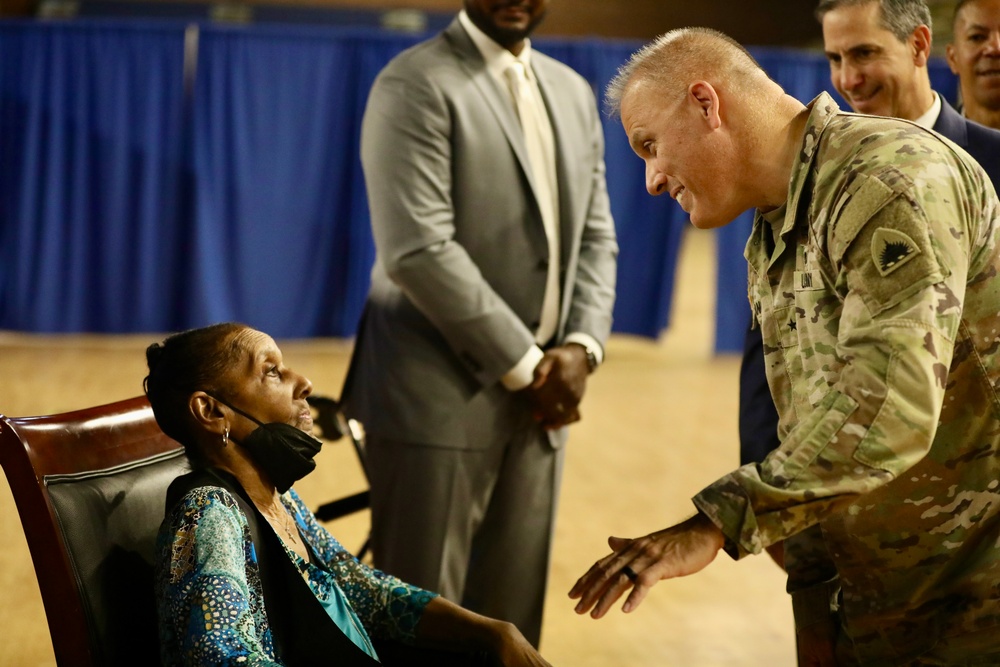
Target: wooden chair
x,y
90,488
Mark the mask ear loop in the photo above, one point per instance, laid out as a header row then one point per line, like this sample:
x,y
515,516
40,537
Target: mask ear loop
x,y
236,410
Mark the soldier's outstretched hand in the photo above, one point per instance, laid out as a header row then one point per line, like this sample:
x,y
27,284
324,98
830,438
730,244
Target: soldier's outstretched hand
x,y
640,563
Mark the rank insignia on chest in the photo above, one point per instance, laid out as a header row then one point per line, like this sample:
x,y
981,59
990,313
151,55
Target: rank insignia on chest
x,y
891,249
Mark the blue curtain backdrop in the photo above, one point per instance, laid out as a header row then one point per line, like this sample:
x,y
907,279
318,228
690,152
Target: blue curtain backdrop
x,y
281,221
130,203
91,177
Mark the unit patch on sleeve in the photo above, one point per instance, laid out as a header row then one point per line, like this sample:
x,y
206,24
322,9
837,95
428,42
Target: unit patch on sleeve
x,y
892,249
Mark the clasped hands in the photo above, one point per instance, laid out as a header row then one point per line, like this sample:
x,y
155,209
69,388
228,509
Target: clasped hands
x,y
560,379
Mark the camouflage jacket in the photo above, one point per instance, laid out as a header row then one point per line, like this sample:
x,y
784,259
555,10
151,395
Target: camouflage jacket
x,y
879,304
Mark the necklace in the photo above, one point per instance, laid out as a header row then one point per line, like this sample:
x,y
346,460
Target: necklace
x,y
279,517
288,530
288,525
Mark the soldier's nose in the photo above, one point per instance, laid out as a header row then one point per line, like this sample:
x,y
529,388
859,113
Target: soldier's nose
x,y
656,183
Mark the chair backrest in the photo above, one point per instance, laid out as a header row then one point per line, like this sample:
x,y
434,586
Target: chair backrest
x,y
90,488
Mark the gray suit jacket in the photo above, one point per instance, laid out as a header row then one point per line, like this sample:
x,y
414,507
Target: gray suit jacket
x,y
461,261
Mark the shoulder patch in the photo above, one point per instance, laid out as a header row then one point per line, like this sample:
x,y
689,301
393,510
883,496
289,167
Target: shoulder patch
x,y
892,249
863,198
892,257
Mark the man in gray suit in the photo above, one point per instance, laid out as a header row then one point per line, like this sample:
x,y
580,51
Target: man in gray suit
x,y
490,301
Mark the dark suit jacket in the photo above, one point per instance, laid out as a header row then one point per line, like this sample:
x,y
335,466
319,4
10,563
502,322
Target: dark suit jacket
x,y
758,416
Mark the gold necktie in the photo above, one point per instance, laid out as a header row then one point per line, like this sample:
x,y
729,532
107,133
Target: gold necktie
x,y
541,155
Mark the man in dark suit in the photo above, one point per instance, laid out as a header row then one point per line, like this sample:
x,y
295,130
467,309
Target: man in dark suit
x,y
878,52
974,56
490,301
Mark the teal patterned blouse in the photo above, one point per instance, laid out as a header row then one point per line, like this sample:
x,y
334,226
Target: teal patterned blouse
x,y
209,594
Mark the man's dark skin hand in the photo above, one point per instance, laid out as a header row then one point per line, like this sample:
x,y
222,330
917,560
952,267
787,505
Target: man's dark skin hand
x,y
560,380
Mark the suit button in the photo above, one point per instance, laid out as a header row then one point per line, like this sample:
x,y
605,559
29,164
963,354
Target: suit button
x,y
471,362
535,325
543,264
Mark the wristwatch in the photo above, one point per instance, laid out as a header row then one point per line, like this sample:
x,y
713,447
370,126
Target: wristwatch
x,y
591,356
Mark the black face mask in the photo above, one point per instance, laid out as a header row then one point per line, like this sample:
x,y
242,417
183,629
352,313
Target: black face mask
x,y
284,452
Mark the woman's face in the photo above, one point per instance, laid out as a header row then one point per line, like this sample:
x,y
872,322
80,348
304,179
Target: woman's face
x,y
261,385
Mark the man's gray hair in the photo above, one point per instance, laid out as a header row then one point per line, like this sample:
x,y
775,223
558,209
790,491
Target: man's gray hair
x,y
650,64
900,17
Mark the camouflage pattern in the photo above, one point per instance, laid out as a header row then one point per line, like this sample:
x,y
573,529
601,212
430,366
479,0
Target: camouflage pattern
x,y
879,302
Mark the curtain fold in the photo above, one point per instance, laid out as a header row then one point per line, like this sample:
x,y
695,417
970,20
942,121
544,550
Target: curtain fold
x,y
281,226
91,143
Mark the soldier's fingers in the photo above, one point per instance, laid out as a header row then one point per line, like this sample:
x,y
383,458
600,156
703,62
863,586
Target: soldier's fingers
x,y
635,598
619,543
592,585
606,581
585,582
616,587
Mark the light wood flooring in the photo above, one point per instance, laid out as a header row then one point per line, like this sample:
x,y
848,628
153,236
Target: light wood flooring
x,y
659,423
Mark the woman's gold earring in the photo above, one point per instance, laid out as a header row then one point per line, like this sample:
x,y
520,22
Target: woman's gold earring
x,y
225,437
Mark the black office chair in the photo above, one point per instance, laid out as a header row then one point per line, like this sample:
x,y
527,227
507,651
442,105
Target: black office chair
x,y
90,487
333,425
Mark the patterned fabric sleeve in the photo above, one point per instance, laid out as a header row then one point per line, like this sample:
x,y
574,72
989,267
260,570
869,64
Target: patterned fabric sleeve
x,y
208,586
387,607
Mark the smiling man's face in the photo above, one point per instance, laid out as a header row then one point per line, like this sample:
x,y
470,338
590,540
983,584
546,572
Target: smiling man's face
x,y
685,158
974,55
870,67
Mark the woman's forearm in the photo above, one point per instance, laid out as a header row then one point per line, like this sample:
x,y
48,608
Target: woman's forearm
x,y
446,625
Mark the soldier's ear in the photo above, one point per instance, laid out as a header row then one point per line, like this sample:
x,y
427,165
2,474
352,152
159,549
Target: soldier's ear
x,y
705,97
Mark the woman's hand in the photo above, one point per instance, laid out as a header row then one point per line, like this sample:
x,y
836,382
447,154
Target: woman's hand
x,y
448,626
513,650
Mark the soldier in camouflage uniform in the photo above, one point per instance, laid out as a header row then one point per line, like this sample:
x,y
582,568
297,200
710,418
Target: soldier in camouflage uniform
x,y
873,274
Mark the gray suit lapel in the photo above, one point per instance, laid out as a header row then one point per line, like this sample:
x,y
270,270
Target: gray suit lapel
x,y
497,98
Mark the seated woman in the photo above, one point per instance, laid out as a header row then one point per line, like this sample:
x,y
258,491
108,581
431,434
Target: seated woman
x,y
246,575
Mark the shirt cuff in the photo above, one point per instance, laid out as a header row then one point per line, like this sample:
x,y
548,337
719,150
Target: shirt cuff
x,y
523,372
588,342
726,503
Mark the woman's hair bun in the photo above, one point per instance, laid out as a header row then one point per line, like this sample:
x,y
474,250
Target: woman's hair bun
x,y
154,353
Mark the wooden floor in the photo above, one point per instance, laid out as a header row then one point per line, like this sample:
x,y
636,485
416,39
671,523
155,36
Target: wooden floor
x,y
659,423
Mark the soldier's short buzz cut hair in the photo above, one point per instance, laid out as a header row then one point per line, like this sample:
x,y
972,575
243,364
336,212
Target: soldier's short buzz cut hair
x,y
713,49
900,17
